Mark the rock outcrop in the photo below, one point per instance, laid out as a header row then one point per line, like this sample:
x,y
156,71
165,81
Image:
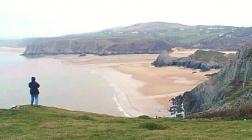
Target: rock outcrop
x,y
203,60
227,94
164,59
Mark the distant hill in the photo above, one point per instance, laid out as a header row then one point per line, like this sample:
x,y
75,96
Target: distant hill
x,y
150,37
32,123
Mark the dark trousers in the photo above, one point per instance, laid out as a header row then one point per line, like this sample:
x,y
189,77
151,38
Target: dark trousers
x,y
34,98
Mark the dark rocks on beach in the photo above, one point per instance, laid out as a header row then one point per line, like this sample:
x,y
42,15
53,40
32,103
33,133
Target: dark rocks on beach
x,y
185,62
203,66
83,54
177,106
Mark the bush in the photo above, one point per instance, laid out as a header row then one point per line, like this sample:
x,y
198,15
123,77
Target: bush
x,y
144,117
152,126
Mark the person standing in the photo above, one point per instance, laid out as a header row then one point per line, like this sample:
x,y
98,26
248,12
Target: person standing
x,y
34,91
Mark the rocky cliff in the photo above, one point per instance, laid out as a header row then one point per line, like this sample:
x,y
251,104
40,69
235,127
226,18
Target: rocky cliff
x,y
152,37
227,94
203,60
99,46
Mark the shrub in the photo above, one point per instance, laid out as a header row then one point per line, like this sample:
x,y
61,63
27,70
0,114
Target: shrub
x,y
144,117
152,126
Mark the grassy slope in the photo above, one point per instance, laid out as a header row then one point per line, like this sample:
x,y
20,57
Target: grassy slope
x,y
210,56
51,123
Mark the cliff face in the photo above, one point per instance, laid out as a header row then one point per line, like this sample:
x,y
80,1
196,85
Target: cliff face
x,y
96,46
228,91
151,37
203,60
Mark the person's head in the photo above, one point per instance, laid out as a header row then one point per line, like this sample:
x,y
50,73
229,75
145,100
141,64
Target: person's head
x,y
33,78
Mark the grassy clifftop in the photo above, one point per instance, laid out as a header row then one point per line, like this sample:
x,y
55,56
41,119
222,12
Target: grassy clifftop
x,y
210,56
52,123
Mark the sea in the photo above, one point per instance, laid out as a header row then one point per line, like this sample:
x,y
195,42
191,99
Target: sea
x,y
63,85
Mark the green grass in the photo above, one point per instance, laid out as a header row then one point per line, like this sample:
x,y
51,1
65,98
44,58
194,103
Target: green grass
x,y
30,123
153,126
213,56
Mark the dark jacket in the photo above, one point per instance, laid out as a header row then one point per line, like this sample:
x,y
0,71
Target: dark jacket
x,y
34,88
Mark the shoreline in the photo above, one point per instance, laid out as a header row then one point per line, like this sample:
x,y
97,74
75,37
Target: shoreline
x,y
159,85
12,49
140,88
121,98
156,89
129,98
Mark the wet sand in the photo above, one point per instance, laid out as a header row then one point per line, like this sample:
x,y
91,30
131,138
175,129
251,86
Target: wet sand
x,y
128,97
13,49
147,89
162,84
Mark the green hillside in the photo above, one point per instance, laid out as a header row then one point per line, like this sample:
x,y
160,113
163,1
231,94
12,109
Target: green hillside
x,y
51,123
210,56
142,38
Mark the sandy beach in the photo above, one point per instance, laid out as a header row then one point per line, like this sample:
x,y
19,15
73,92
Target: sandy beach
x,y
141,88
164,83
12,49
129,98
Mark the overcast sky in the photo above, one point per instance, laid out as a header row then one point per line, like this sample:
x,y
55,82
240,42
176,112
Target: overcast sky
x,y
32,18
